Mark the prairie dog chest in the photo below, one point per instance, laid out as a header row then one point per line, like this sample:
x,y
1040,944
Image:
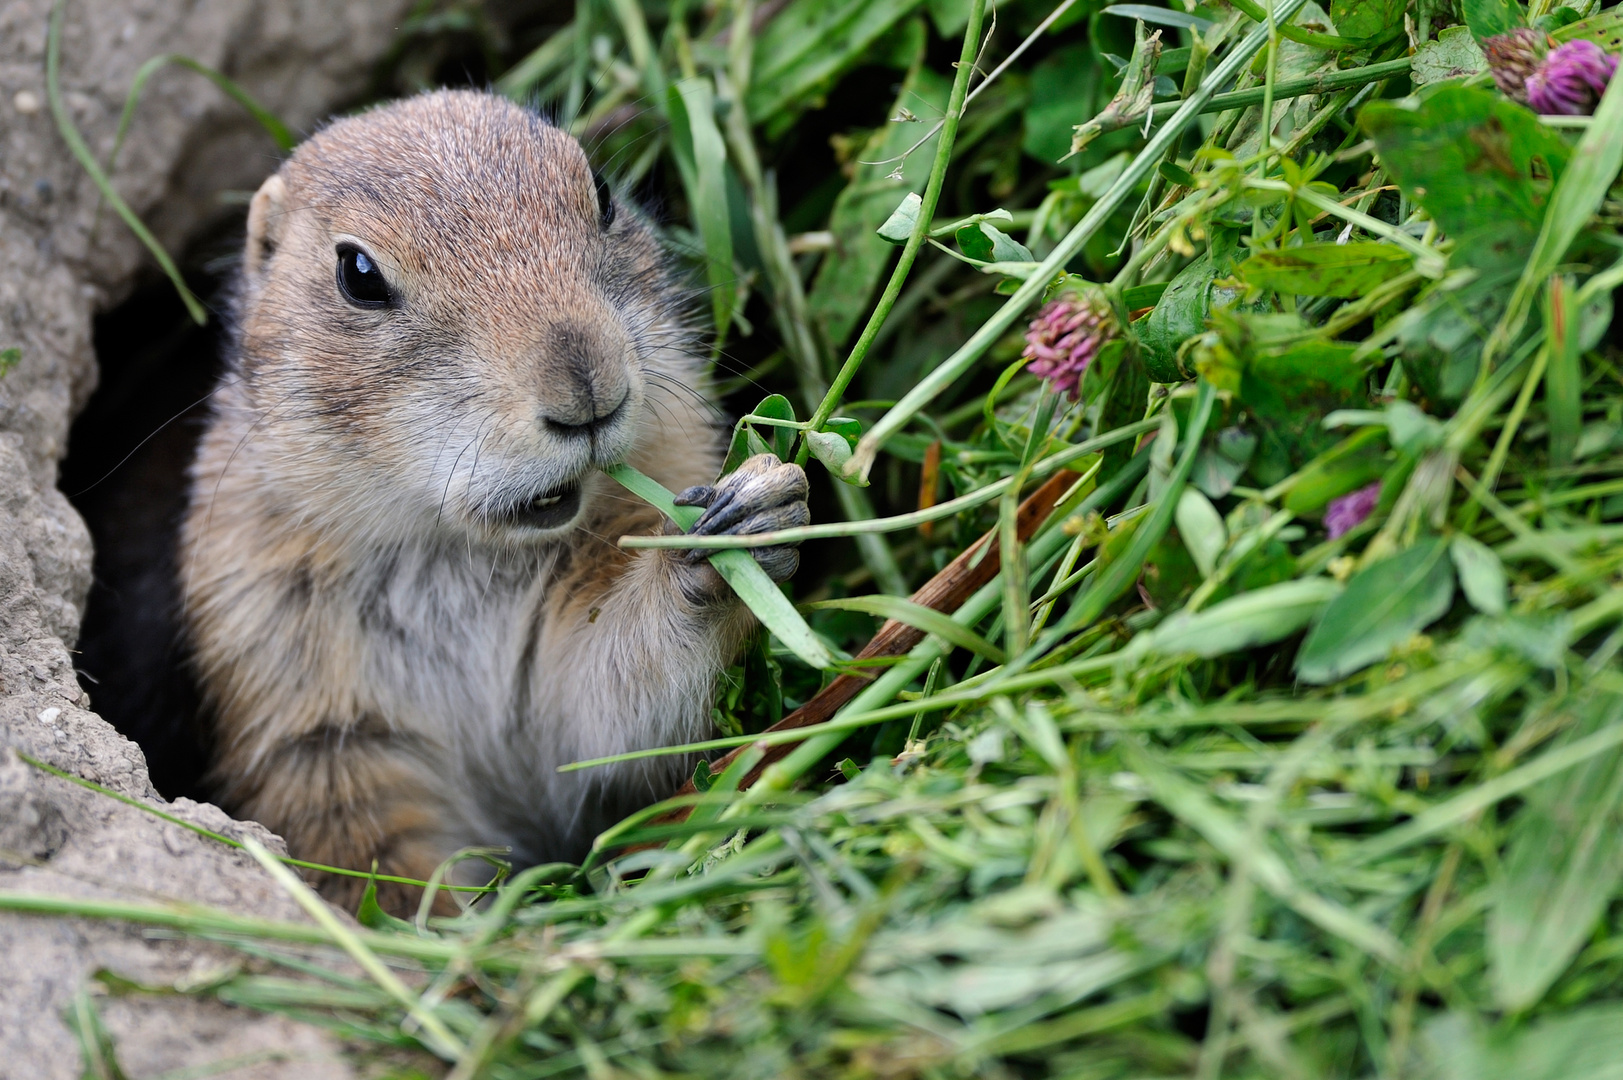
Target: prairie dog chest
x,y
443,636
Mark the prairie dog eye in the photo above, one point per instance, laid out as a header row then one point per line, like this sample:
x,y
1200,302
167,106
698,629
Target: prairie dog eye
x,y
360,279
605,201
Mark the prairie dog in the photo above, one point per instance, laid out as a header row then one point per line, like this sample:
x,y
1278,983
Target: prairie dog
x,y
399,577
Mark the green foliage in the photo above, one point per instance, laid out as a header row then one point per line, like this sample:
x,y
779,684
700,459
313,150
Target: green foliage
x,y
1383,606
1341,270
1469,157
741,572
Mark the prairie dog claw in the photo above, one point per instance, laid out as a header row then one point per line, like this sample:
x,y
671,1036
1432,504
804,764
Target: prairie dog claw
x,y
763,494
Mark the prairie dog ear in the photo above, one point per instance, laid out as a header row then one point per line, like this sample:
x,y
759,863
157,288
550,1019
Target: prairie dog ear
x,y
265,225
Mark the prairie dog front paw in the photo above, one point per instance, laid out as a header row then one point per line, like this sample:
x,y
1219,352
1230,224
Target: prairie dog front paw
x,y
761,495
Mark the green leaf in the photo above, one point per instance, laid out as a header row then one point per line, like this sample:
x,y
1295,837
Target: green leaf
x,y
8,359
746,443
1470,158
1201,528
899,226
1160,16
832,449
1482,575
847,428
1142,296
920,617
1383,606
701,157
740,570
1344,468
1605,28
1488,18
1454,54
1180,314
1289,392
1562,867
1177,174
703,781
1341,270
1005,248
1064,91
779,440
1562,16
1365,18
948,16
1260,617
1583,1044
974,242
373,917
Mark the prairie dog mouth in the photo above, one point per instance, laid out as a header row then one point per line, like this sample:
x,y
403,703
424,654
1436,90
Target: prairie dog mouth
x,y
548,509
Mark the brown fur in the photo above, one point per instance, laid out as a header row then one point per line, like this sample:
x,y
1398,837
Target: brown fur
x,y
396,668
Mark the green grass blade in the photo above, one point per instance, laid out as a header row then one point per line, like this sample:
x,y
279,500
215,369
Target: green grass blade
x,y
1119,576
1195,809
545,60
440,1038
87,161
920,617
758,592
1563,864
811,42
278,131
1563,374
701,154
1474,800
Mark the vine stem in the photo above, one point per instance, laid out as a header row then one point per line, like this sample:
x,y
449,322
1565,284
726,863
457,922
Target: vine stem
x,y
994,328
921,227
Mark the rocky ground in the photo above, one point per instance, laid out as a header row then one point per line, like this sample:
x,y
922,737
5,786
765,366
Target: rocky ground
x,y
62,261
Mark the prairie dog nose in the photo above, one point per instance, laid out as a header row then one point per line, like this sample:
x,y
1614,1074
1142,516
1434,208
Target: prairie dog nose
x,y
584,384
590,406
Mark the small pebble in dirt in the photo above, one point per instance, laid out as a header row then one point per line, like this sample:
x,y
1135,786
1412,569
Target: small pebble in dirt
x,y
48,716
25,102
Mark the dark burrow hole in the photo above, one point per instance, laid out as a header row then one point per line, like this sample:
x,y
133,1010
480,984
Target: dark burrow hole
x,y
125,473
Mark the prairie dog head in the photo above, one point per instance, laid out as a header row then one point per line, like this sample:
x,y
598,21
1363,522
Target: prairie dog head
x,y
447,321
